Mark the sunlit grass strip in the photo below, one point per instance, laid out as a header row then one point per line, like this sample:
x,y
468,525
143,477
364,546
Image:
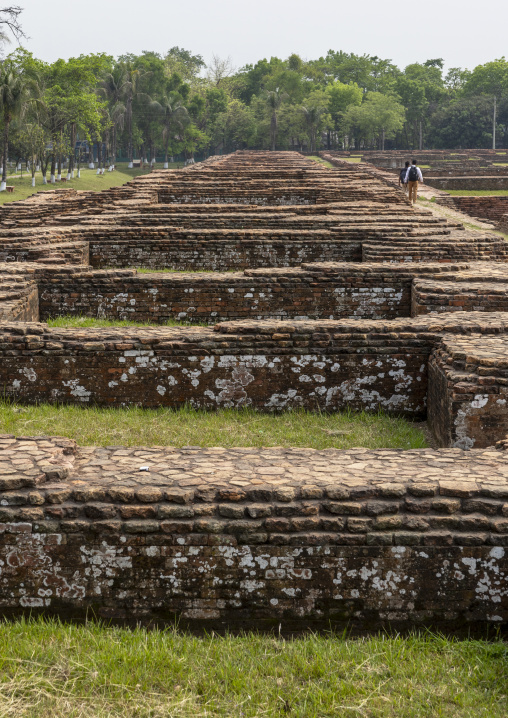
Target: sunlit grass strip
x,y
135,426
49,670
89,181
78,321
321,161
151,270
477,192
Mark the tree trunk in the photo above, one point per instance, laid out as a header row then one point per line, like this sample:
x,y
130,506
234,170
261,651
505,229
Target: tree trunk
x,y
72,154
114,147
420,139
52,173
494,124
130,149
166,151
99,155
273,130
3,185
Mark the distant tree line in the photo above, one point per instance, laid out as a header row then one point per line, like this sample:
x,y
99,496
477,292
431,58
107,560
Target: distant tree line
x,y
55,115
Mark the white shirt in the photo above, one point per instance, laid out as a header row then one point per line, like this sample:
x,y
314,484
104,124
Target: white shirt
x,y
420,176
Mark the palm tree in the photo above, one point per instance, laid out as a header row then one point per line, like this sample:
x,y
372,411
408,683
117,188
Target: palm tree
x,y
274,99
133,78
115,87
312,117
12,100
175,117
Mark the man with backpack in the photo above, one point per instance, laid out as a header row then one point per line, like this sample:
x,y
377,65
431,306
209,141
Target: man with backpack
x,y
413,176
402,177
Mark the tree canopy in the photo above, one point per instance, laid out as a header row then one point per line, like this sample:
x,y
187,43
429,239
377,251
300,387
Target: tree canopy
x,y
152,105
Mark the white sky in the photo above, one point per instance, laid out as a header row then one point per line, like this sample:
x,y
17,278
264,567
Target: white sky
x,y
464,33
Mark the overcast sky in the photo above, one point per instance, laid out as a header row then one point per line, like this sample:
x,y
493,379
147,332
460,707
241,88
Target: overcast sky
x,y
464,33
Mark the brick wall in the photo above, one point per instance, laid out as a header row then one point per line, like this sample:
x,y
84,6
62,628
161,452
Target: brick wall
x,y
485,207
475,182
289,538
215,251
473,296
327,291
468,391
19,302
322,365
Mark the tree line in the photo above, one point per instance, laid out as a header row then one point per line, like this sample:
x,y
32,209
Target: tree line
x,y
100,108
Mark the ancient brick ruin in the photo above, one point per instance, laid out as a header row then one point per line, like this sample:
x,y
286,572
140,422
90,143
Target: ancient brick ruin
x,y
324,289
473,170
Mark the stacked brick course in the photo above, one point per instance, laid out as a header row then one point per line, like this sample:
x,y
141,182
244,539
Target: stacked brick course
x,y
492,207
296,537
469,391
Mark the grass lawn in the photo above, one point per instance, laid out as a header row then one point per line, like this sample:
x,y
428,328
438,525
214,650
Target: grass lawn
x,y
134,426
477,192
49,670
89,180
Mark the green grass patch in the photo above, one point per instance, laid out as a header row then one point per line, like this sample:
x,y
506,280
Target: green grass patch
x,y
477,192
50,670
89,181
150,270
134,426
69,321
321,161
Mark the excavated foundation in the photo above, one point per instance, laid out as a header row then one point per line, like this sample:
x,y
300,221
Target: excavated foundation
x,y
324,290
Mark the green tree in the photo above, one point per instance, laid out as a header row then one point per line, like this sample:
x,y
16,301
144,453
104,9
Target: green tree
x,y
464,123
489,79
340,98
274,99
175,117
377,119
13,99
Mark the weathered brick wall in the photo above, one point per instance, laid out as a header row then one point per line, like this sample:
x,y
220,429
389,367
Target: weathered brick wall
x,y
468,391
465,171
327,291
442,296
470,246
271,367
62,252
493,207
322,365
475,182
238,538
19,301
211,250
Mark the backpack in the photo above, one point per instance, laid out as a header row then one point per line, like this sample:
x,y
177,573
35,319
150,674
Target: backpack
x,y
402,174
413,174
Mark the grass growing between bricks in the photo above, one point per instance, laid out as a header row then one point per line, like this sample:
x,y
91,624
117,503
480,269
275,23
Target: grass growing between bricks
x,y
321,161
477,192
150,270
70,321
50,670
135,426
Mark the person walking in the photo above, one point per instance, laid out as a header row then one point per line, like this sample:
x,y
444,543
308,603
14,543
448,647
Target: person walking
x,y
413,176
402,177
